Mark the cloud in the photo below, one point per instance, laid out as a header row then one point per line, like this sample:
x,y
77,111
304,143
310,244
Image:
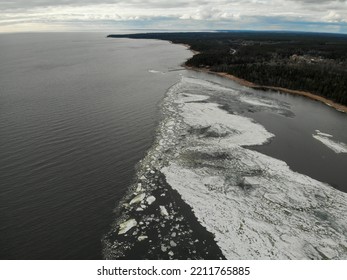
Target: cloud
x,y
179,14
333,16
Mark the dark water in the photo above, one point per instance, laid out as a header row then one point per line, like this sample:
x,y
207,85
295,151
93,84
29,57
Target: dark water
x,y
293,141
295,145
77,112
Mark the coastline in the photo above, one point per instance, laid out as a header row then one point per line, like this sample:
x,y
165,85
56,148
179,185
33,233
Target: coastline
x,y
312,96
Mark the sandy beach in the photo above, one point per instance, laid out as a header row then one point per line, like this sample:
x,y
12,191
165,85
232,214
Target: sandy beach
x,y
246,83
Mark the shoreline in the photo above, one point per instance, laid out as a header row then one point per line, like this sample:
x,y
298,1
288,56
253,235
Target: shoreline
x,y
153,220
339,107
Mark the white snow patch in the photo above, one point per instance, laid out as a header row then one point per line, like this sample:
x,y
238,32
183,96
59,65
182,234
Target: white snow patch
x,y
240,130
284,216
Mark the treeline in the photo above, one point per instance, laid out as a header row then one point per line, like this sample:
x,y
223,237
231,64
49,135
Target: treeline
x,y
313,62
329,84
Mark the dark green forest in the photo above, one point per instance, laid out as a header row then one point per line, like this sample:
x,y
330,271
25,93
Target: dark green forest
x,y
314,62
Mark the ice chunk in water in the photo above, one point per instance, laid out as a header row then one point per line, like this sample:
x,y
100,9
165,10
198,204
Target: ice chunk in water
x,y
150,199
126,226
137,198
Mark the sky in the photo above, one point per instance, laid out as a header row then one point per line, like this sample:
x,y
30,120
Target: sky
x,y
178,15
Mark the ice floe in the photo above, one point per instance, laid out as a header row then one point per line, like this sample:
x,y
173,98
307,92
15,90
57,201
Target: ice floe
x,y
126,226
150,199
259,102
217,123
139,187
163,211
282,215
327,140
155,71
137,198
142,237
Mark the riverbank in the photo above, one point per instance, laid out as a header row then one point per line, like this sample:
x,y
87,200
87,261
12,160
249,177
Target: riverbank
x,y
337,106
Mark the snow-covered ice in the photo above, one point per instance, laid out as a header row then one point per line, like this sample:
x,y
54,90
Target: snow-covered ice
x,y
155,71
220,126
142,237
258,102
327,140
126,226
285,215
163,211
255,205
137,198
150,199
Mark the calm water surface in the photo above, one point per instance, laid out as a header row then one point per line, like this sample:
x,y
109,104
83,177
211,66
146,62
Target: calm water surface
x,y
77,112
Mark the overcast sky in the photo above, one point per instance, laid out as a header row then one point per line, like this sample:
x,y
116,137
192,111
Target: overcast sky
x,y
115,15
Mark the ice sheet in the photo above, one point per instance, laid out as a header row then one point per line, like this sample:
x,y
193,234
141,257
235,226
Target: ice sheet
x,y
256,207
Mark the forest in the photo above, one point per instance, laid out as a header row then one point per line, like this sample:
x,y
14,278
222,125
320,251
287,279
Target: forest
x,y
313,62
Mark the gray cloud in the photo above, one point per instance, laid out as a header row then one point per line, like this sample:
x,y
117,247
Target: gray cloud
x,y
214,14
317,2
20,4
